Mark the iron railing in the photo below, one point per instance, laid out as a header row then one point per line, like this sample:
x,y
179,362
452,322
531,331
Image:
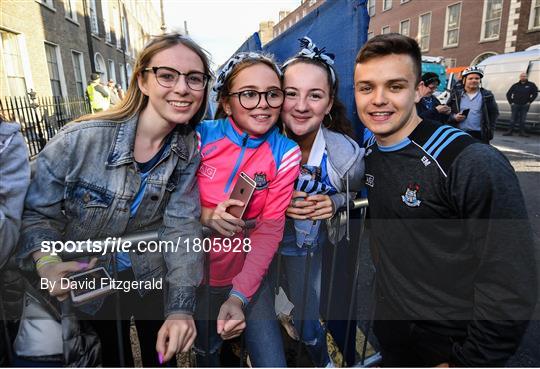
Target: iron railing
x,y
42,117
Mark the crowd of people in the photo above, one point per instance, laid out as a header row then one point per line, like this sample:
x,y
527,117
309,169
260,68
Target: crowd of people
x,y
450,237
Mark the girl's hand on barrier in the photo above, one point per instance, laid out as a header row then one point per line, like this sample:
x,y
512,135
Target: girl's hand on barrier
x,y
300,207
323,209
222,222
231,321
53,269
177,334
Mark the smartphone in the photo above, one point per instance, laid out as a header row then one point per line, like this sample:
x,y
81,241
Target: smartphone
x,y
465,112
90,284
243,190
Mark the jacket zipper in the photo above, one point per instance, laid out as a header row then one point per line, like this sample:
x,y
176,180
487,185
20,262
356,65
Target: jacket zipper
x,y
238,161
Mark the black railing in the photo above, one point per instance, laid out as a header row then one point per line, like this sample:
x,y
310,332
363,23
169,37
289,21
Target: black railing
x,y
42,117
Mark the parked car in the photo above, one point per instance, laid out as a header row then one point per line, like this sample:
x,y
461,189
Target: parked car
x,y
502,71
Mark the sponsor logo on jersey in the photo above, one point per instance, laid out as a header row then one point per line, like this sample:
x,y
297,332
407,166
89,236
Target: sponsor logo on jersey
x,y
260,181
410,198
425,161
370,180
207,170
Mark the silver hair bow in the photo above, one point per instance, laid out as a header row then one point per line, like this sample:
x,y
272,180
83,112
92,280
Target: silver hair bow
x,y
233,61
311,51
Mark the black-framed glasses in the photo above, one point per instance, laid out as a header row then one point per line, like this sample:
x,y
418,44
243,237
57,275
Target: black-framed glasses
x,y
250,99
168,77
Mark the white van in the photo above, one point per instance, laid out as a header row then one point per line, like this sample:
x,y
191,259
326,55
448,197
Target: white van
x,y
502,71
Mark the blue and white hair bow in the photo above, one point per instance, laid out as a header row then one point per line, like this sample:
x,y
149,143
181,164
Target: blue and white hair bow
x,y
233,61
311,51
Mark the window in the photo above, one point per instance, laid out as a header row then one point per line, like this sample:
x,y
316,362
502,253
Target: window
x,y
424,30
47,3
370,35
106,19
71,9
100,67
371,7
534,18
386,5
11,67
110,70
54,70
385,30
125,35
404,27
117,29
450,62
123,77
451,34
78,68
403,1
93,17
491,24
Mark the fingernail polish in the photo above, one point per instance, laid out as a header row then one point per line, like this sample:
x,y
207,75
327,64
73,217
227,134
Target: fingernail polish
x,y
83,264
160,357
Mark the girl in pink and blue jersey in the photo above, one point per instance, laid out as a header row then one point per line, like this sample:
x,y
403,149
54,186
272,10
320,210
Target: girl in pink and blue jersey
x,y
244,138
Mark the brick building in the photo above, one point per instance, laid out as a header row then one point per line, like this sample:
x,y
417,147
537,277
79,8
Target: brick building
x,y
463,32
287,19
52,46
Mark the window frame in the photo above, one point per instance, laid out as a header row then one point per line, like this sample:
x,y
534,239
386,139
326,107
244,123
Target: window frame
x,y
371,7
484,20
60,67
531,26
419,36
77,56
400,26
386,26
384,9
446,30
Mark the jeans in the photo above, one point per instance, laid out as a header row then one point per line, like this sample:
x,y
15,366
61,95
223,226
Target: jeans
x,y
519,115
302,287
262,333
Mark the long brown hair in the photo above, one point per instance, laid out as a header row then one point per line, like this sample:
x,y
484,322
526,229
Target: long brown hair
x,y
135,101
223,93
337,120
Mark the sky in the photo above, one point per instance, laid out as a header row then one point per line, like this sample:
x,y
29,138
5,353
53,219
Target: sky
x,y
221,26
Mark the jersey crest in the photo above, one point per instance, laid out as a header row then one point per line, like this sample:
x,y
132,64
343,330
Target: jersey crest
x,y
410,198
260,181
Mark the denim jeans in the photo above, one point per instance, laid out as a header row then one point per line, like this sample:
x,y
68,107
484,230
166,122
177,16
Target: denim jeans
x,y
301,287
262,333
519,115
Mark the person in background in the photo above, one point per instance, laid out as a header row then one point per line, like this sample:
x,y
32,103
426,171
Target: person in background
x,y
244,138
115,99
126,170
456,273
120,91
98,95
429,106
474,109
520,96
332,162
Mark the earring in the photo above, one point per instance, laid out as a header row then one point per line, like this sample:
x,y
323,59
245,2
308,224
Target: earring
x,y
329,116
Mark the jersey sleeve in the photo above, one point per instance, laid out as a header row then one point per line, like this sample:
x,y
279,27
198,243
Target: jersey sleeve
x,y
485,191
268,232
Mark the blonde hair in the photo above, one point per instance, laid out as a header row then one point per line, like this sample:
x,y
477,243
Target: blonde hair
x,y
134,100
224,91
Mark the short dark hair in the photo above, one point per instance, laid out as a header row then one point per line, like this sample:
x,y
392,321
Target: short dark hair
x,y
392,43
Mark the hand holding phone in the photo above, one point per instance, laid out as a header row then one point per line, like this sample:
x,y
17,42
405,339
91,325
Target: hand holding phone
x,y
89,285
243,190
465,112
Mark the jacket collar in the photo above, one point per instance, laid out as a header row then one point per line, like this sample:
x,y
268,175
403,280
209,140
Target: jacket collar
x,y
121,151
236,135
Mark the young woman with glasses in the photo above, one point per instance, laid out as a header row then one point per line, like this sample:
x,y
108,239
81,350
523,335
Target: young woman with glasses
x,y
243,139
126,170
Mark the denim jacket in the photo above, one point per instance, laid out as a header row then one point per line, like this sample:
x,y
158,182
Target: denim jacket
x,y
85,181
14,180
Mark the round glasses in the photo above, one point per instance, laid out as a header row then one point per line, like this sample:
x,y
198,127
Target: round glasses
x,y
168,77
250,99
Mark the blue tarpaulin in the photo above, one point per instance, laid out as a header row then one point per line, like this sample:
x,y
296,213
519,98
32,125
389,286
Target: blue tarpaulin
x,y
338,25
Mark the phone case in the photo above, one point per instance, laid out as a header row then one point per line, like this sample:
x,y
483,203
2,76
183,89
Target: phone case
x,y
82,296
243,190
